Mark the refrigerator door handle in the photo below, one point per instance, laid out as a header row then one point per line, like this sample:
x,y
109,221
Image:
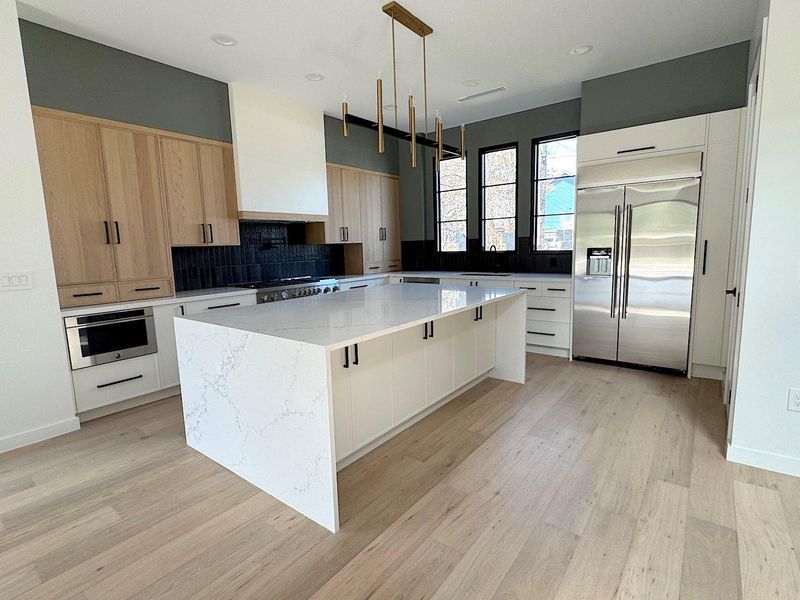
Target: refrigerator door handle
x,y
615,257
627,280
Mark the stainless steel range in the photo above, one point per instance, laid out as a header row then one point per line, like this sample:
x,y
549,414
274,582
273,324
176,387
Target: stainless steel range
x,y
276,290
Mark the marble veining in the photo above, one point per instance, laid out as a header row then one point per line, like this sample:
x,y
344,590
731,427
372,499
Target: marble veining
x,y
343,318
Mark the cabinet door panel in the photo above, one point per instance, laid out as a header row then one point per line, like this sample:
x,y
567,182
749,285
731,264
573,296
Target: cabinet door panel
x,y
409,363
371,389
464,327
351,206
180,165
485,340
342,415
333,228
219,195
134,198
164,319
390,214
371,221
439,361
75,198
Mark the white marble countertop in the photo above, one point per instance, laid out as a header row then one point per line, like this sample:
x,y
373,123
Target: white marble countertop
x,y
186,296
338,320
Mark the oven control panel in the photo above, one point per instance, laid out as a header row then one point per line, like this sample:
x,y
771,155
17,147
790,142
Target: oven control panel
x,y
276,295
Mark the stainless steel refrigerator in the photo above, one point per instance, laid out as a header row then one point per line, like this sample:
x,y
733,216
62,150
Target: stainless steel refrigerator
x,y
635,231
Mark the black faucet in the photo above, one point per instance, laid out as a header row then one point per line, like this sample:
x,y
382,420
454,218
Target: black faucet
x,y
493,248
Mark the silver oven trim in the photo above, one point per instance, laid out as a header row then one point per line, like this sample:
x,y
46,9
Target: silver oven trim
x,y
73,330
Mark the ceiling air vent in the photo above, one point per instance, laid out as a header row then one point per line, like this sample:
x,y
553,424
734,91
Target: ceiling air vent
x,y
502,88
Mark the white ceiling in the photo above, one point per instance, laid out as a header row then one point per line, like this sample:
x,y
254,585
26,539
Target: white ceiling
x,y
521,44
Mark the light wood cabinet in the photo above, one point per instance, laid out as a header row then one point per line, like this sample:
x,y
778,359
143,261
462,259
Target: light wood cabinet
x,y
344,206
334,230
380,222
390,215
200,193
75,199
134,197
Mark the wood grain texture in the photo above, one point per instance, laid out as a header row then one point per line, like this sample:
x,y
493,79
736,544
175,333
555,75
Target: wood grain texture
x,y
219,195
558,488
180,165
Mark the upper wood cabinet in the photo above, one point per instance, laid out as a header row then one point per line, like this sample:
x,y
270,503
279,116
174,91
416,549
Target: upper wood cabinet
x,y
390,215
200,193
75,198
344,206
380,221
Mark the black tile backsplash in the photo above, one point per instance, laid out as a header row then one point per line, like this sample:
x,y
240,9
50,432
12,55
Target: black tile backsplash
x,y
267,251
422,256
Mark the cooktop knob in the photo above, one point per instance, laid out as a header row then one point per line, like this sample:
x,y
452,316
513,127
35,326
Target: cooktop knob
x,y
284,295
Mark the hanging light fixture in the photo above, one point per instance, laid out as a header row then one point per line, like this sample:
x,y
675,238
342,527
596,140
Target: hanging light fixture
x,y
401,15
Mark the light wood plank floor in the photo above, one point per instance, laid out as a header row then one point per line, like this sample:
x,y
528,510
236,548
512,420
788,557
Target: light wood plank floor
x,y
588,482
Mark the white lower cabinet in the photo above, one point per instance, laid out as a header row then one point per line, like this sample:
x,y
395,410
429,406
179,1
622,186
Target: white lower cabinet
x,y
464,325
114,382
485,339
164,318
198,306
371,374
439,360
409,363
342,414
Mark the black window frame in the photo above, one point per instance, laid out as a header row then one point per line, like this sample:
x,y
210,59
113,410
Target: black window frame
x,y
436,221
481,187
535,190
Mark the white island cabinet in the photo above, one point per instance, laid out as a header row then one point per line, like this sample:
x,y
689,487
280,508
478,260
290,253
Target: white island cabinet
x,y
285,394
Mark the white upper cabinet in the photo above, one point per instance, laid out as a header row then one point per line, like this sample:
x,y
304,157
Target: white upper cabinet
x,y
279,147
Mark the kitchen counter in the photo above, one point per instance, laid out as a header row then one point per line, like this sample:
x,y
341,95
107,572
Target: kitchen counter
x,y
460,275
282,393
354,316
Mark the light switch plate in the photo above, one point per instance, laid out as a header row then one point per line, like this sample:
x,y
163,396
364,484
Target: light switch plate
x,y
794,399
12,282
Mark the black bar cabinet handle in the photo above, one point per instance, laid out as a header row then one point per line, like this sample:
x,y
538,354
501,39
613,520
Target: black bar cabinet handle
x,y
147,289
431,328
374,267
425,335
104,385
108,236
542,333
346,364
705,255
211,233
556,289
183,311
358,287
86,294
480,308
355,358
475,318
203,228
116,228
224,305
546,309
636,149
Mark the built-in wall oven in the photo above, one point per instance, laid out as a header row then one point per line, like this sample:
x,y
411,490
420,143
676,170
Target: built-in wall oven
x,y
101,338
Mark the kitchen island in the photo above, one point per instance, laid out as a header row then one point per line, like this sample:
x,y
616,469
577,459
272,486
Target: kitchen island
x,y
283,394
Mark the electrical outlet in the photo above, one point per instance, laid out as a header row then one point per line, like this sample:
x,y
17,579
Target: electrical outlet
x,y
794,399
16,281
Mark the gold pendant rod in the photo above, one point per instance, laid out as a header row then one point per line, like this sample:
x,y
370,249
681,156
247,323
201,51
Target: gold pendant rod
x,y
345,112
412,128
380,115
463,139
425,84
394,72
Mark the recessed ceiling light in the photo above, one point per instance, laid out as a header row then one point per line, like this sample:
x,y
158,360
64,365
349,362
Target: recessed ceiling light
x,y
224,40
578,50
388,107
502,88
470,83
315,76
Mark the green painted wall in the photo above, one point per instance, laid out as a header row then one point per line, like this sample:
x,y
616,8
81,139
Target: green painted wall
x,y
359,149
691,85
70,73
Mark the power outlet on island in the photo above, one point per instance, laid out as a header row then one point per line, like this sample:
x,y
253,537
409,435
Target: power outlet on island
x,y
794,399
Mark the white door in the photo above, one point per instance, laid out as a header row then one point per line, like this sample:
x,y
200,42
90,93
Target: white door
x,y
164,320
371,389
485,340
342,415
409,364
743,230
463,347
439,360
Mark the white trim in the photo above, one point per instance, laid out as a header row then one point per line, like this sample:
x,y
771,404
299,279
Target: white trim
x,y
707,371
110,409
560,352
764,460
39,434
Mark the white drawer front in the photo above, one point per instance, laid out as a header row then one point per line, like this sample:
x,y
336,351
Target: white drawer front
x,y
543,308
114,382
543,333
557,290
534,288
199,306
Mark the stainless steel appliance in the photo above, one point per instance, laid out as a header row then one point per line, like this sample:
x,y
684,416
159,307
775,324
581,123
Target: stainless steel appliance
x,y
635,230
275,290
99,338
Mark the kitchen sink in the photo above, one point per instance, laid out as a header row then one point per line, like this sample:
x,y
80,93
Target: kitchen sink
x,y
487,274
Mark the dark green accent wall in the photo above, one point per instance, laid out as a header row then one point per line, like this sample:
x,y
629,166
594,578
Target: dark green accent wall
x,y
74,74
700,83
416,185
359,149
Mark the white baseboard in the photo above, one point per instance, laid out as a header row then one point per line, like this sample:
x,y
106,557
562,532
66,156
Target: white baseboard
x,y
764,460
39,434
561,352
708,371
364,450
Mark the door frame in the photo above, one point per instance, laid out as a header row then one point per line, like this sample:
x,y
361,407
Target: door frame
x,y
747,184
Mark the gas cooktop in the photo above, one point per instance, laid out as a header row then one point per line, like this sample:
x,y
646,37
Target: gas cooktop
x,y
273,283
288,288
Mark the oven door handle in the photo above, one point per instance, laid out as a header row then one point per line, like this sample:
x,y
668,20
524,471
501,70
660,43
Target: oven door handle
x,y
102,323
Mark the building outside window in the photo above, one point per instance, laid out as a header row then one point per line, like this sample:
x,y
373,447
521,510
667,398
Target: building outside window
x,y
451,205
553,208
499,198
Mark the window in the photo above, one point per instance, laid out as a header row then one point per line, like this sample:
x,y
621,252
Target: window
x,y
451,205
499,198
553,213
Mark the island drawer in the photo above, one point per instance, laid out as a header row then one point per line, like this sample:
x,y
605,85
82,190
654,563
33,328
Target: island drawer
x,y
541,308
548,289
543,333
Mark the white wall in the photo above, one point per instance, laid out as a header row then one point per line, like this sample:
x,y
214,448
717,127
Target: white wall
x,y
36,400
764,432
279,146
